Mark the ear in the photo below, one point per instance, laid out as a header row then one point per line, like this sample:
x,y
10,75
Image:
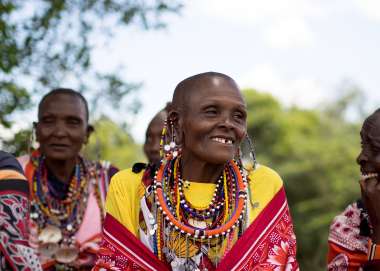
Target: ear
x,y
175,119
90,129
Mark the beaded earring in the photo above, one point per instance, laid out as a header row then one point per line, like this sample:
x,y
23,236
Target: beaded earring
x,y
168,144
247,155
32,142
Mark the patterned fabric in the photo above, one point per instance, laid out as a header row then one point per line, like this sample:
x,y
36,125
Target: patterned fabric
x,y
15,253
348,239
88,235
267,244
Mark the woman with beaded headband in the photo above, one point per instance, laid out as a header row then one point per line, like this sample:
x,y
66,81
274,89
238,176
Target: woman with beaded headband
x,y
200,211
67,191
354,239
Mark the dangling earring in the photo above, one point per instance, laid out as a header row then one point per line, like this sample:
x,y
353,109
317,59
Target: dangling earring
x,y
252,151
170,148
32,142
247,156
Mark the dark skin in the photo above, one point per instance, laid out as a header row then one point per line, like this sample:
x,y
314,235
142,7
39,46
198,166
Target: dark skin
x,y
153,137
209,114
369,161
61,130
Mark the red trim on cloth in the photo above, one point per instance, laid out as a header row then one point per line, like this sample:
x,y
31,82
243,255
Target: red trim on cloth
x,y
128,245
268,244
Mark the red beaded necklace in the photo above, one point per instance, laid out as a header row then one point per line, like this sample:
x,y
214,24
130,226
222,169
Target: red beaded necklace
x,y
166,203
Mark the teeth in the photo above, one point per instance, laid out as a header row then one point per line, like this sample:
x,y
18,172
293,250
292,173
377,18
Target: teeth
x,y
222,140
369,176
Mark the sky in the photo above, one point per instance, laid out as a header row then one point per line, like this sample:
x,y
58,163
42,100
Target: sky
x,y
298,50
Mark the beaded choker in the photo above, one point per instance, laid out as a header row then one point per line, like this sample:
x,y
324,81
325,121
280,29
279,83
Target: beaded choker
x,y
224,215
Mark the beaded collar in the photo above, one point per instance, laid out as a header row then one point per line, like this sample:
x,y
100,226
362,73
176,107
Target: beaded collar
x,y
224,215
58,218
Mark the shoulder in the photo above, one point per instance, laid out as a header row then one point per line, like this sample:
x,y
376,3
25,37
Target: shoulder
x,y
126,180
265,175
346,226
9,162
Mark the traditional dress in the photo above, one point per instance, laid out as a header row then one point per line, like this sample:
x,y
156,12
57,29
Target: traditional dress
x,y
15,252
349,239
66,219
139,236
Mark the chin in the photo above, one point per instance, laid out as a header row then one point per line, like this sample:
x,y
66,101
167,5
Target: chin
x,y
58,156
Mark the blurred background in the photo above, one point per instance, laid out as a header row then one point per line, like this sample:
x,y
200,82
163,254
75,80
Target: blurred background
x,y
309,71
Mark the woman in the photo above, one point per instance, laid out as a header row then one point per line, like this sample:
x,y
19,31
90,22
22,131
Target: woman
x,y
66,190
354,240
200,211
15,252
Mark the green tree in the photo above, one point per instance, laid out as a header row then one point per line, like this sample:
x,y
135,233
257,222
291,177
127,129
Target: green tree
x,y
112,142
44,44
314,151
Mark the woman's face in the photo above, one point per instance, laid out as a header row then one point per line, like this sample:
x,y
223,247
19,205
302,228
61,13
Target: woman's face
x,y
153,137
369,157
62,127
214,122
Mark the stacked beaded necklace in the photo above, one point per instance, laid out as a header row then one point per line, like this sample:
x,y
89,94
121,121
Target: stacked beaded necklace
x,y
67,213
224,215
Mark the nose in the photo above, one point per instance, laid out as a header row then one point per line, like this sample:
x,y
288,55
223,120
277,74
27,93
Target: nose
x,y
59,129
362,158
226,121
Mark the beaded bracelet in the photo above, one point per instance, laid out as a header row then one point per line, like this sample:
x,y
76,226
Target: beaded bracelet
x,y
373,251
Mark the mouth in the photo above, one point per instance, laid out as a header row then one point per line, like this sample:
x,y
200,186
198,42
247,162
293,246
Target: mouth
x,y
366,176
59,146
223,140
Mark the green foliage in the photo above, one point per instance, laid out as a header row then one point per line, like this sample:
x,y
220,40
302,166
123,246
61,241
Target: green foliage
x,y
314,151
45,44
113,143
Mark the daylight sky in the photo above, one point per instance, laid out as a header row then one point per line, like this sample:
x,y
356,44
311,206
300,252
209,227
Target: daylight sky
x,y
299,50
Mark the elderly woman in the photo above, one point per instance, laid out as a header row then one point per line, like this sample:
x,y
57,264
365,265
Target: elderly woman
x,y
66,190
200,211
354,240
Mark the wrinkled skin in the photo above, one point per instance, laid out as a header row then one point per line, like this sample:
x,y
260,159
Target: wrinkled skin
x,y
61,130
211,126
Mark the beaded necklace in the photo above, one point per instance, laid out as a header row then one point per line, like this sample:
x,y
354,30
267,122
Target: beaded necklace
x,y
67,213
216,222
59,219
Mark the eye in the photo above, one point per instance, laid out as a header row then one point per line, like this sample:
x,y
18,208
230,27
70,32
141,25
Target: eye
x,y
211,111
47,120
73,121
240,116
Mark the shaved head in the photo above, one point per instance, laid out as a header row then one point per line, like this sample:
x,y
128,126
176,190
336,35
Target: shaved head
x,y
186,88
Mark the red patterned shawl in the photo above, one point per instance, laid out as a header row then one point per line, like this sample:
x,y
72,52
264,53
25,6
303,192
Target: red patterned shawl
x,y
268,244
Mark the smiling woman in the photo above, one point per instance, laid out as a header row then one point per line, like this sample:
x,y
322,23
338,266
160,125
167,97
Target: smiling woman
x,y
354,240
201,210
67,191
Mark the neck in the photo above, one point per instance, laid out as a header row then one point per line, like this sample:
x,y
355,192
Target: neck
x,y
62,169
200,171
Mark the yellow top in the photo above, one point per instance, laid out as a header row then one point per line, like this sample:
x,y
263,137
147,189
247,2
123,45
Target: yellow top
x,y
125,192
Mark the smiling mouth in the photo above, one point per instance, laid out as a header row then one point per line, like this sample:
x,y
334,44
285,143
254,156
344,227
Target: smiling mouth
x,y
367,176
223,140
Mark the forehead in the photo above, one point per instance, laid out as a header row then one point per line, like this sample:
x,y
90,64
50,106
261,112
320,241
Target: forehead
x,y
155,126
215,89
371,127
63,104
